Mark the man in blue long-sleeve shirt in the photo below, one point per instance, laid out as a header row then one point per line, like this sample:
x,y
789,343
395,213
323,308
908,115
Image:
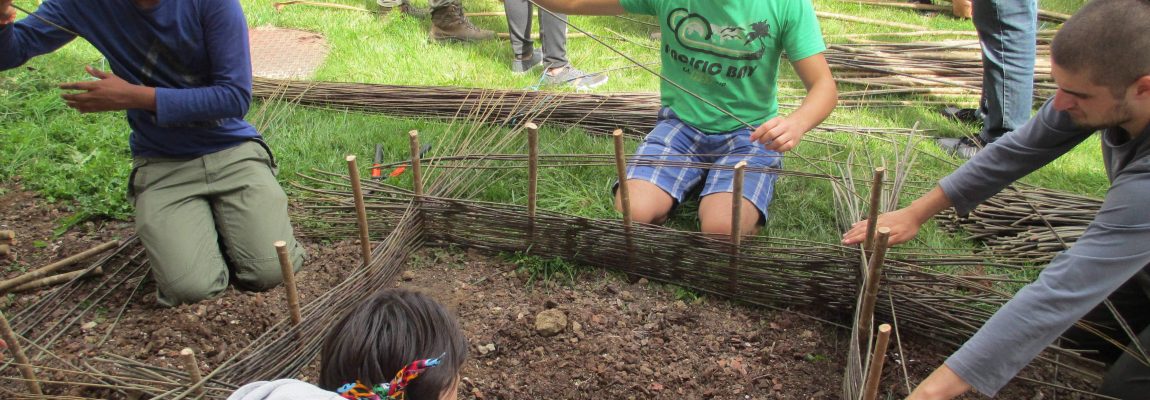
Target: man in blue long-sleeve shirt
x,y
203,182
1100,60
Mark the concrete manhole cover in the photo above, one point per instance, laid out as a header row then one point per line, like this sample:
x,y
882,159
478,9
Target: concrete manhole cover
x,y
286,53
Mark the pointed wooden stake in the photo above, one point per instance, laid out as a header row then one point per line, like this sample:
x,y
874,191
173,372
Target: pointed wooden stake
x,y
870,288
874,373
737,204
21,359
736,225
532,177
289,281
621,170
875,204
189,358
360,210
50,268
57,279
416,172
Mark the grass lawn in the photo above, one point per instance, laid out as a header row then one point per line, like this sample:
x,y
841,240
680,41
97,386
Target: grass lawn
x,y
85,158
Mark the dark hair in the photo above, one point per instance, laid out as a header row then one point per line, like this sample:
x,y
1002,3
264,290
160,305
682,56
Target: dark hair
x,y
388,331
1109,40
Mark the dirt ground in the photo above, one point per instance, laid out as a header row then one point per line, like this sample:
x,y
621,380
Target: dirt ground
x,y
621,340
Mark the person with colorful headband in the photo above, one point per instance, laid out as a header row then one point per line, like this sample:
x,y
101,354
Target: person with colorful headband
x,y
1100,60
203,186
398,344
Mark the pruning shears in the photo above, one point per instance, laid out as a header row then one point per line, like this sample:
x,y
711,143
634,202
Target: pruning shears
x,y
377,167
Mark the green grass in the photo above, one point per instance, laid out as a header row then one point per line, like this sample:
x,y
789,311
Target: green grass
x,y
84,159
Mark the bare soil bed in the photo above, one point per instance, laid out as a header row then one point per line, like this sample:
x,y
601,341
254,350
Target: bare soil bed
x,y
622,340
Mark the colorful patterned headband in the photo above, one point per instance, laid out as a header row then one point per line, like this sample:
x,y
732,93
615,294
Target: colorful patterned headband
x,y
394,390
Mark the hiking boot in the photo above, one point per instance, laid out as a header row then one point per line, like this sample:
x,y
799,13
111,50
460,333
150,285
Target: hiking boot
x,y
523,63
964,148
449,24
967,115
570,76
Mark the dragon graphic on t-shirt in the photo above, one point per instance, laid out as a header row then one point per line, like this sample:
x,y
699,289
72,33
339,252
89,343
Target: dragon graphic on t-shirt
x,y
695,32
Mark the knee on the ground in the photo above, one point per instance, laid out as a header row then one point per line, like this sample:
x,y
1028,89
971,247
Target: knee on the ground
x,y
189,291
259,275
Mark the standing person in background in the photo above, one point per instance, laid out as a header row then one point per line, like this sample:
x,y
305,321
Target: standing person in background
x,y
207,204
727,53
1007,31
1100,60
553,33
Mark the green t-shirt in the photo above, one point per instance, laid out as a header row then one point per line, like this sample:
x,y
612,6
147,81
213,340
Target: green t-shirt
x,y
728,51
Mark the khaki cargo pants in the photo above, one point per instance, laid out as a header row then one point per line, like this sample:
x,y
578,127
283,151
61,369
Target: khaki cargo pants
x,y
199,217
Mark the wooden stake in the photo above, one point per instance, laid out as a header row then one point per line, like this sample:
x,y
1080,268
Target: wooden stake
x,y
57,279
621,170
7,235
190,364
532,177
874,372
870,288
532,167
737,205
416,173
5,251
289,281
21,359
875,204
360,211
50,268
736,225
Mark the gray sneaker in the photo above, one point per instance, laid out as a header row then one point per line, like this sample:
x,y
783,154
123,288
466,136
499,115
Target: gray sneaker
x,y
520,65
964,148
574,77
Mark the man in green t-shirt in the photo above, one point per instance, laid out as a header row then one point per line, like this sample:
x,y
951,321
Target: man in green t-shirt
x,y
728,54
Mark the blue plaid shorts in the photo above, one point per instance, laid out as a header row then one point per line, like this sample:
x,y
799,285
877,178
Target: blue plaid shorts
x,y
674,140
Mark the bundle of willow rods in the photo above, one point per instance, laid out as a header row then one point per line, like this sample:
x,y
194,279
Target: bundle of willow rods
x,y
939,68
597,113
1030,223
635,113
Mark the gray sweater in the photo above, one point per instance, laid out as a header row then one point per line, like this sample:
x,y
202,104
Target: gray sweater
x,y
1115,247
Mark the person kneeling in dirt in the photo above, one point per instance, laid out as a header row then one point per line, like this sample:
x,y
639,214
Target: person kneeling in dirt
x,y
720,106
397,344
202,177
1100,60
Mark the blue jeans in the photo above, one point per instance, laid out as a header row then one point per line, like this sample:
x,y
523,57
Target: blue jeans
x,y
1007,30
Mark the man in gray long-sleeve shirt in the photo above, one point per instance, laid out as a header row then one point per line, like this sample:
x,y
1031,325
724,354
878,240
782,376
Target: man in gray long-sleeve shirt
x,y
1101,63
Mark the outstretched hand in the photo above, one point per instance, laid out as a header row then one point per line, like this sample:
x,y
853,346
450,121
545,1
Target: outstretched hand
x,y
779,134
107,93
902,223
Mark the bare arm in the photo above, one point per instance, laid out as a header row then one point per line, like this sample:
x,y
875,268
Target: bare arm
x,y
582,7
784,133
904,222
